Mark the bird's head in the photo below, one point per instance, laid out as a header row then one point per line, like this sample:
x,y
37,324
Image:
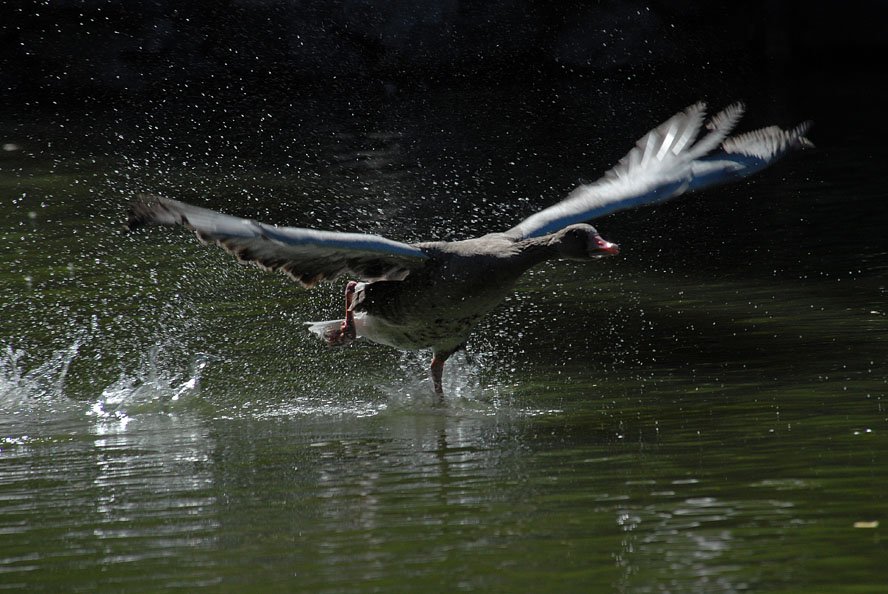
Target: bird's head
x,y
582,242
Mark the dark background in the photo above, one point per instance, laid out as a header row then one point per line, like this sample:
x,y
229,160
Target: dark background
x,y
473,105
69,54
490,110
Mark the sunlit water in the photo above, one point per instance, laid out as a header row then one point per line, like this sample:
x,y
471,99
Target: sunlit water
x,y
705,413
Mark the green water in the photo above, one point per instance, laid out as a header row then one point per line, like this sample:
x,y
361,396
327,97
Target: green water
x,y
704,413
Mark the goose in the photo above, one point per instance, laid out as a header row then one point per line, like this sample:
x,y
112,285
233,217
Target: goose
x,y
429,295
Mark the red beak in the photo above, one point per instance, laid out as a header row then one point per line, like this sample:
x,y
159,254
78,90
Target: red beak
x,y
606,246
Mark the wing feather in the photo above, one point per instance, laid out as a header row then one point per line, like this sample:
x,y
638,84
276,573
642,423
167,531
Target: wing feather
x,y
305,255
669,161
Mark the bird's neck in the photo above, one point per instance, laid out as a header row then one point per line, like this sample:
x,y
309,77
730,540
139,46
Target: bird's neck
x,y
537,249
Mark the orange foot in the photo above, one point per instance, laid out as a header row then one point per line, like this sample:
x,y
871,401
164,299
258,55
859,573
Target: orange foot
x,y
346,332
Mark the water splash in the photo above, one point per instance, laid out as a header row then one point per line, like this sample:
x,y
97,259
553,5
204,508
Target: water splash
x,y
151,389
467,387
316,408
42,389
159,384
44,383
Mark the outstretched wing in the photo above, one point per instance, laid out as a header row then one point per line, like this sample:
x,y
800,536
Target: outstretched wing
x,y
305,255
668,162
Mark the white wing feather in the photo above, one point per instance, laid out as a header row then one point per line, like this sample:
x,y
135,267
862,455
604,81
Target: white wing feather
x,y
667,162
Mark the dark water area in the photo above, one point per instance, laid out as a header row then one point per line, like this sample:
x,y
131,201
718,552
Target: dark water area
x,y
705,412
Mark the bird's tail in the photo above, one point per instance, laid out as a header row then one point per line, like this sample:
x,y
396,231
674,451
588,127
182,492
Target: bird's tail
x,y
319,329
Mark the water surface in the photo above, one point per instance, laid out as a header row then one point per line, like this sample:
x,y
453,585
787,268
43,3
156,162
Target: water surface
x,y
704,413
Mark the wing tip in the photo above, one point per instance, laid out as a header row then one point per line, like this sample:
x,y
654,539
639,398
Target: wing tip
x,y
139,211
769,142
799,133
150,209
699,107
727,118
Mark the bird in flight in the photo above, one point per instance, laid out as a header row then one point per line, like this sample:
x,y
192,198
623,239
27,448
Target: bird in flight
x,y
431,294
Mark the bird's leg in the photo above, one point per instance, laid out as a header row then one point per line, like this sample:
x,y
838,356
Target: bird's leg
x,y
437,370
346,332
470,359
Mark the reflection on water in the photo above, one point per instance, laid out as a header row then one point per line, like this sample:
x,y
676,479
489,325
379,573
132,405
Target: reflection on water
x,y
672,492
703,414
84,489
690,544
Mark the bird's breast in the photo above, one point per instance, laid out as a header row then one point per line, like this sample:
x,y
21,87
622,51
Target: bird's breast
x,y
420,334
428,312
